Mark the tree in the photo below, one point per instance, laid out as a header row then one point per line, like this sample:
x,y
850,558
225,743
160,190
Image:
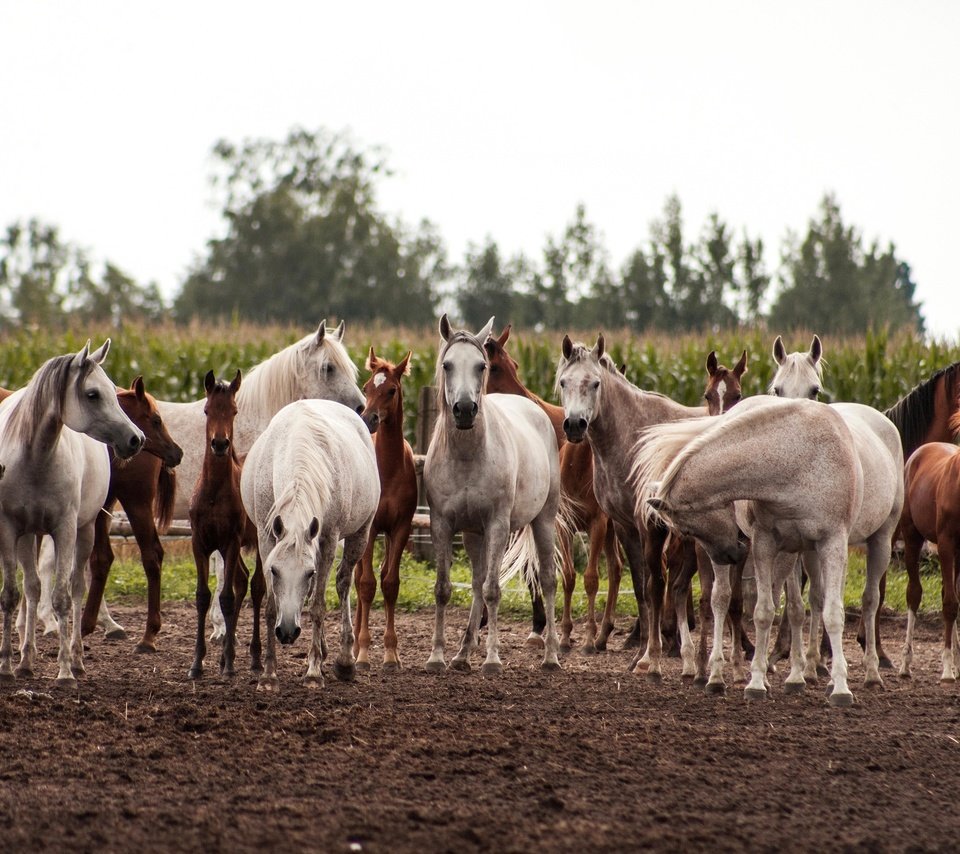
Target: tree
x,y
832,285
486,288
304,236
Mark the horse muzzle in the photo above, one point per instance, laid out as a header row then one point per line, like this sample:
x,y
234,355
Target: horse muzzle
x,y
133,444
465,414
371,419
287,633
575,429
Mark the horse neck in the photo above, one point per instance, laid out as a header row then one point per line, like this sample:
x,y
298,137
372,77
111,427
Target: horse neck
x,y
554,413
944,405
389,440
217,471
44,438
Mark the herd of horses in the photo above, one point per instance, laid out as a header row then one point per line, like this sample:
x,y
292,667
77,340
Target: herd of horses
x,y
291,460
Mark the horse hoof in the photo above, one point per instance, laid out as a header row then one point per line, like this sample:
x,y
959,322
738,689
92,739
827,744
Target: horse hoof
x,y
905,674
22,673
810,680
77,669
550,666
270,684
601,645
65,682
145,649
873,684
566,647
434,667
256,668
534,641
314,683
885,663
116,634
654,677
491,668
344,672
822,671
700,681
7,677
840,701
794,688
391,667
195,672
589,649
461,665
715,688
948,680
363,666
754,694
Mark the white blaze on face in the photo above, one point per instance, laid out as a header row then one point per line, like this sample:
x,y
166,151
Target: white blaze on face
x,y
721,391
379,379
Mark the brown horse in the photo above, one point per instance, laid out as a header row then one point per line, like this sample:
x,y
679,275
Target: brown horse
x,y
220,523
931,511
383,416
576,482
145,487
724,390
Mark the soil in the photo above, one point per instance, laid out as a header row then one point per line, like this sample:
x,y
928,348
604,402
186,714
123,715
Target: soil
x,y
140,758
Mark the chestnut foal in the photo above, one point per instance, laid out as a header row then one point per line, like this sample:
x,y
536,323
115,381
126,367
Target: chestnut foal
x,y
383,415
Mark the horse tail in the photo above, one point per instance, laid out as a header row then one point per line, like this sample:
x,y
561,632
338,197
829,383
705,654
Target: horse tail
x,y
521,552
164,499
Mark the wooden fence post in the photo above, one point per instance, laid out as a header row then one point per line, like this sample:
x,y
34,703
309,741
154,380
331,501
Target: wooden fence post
x,y
426,418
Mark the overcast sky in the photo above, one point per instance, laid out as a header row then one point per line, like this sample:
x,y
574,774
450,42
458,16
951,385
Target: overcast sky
x,y
498,118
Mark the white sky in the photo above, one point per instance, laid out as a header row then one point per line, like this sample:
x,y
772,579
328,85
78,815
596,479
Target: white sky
x,y
497,118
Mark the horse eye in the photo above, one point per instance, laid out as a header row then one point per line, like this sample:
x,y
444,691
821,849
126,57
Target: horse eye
x,y
156,421
563,383
391,392
481,368
706,396
494,369
737,397
595,384
93,394
329,369
310,574
446,366
814,392
275,573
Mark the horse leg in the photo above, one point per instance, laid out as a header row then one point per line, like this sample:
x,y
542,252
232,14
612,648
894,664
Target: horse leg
x,y
27,553
390,585
765,555
317,607
878,559
782,648
705,571
543,527
633,546
535,638
216,614
833,566
84,546
202,562
8,599
882,657
681,595
151,554
366,585
811,564
735,621
719,603
353,547
101,559
258,586
497,535
611,550
474,545
912,543
47,568
653,543
234,580
65,547
947,554
569,573
442,537
785,575
268,680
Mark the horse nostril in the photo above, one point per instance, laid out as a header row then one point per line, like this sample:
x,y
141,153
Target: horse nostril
x,y
136,442
360,409
582,423
474,408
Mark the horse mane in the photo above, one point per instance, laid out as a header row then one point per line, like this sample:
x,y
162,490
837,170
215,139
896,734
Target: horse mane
x,y
47,387
165,498
274,383
659,454
954,424
913,413
307,490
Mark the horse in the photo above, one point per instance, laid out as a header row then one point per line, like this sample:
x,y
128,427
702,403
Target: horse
x,y
309,481
924,414
724,389
492,469
789,474
383,416
799,375
607,411
316,366
931,512
218,522
144,487
576,482
55,483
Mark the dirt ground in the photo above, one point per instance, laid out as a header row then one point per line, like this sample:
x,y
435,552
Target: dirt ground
x,y
588,759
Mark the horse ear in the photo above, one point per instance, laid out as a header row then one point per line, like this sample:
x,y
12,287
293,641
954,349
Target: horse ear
x,y
209,381
338,332
712,362
740,368
599,347
81,357
779,353
98,355
277,527
371,360
566,347
321,332
137,388
623,369
235,385
445,331
403,366
504,335
484,333
816,349
314,528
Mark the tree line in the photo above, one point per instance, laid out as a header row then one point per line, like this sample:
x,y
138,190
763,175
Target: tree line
x,y
303,230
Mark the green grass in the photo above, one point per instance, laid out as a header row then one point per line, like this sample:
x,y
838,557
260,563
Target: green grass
x,y
417,578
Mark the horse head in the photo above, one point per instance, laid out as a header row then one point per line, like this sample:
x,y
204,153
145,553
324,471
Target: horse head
x,y
462,372
291,567
579,377
503,367
141,408
221,411
92,408
723,390
329,373
799,375
384,391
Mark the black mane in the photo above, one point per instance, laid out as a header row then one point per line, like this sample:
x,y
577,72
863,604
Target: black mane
x,y
913,413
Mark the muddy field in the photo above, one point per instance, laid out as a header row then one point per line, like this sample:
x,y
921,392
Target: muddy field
x,y
589,759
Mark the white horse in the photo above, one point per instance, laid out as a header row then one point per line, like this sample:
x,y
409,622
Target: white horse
x,y
799,375
309,481
55,483
789,474
316,366
492,469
